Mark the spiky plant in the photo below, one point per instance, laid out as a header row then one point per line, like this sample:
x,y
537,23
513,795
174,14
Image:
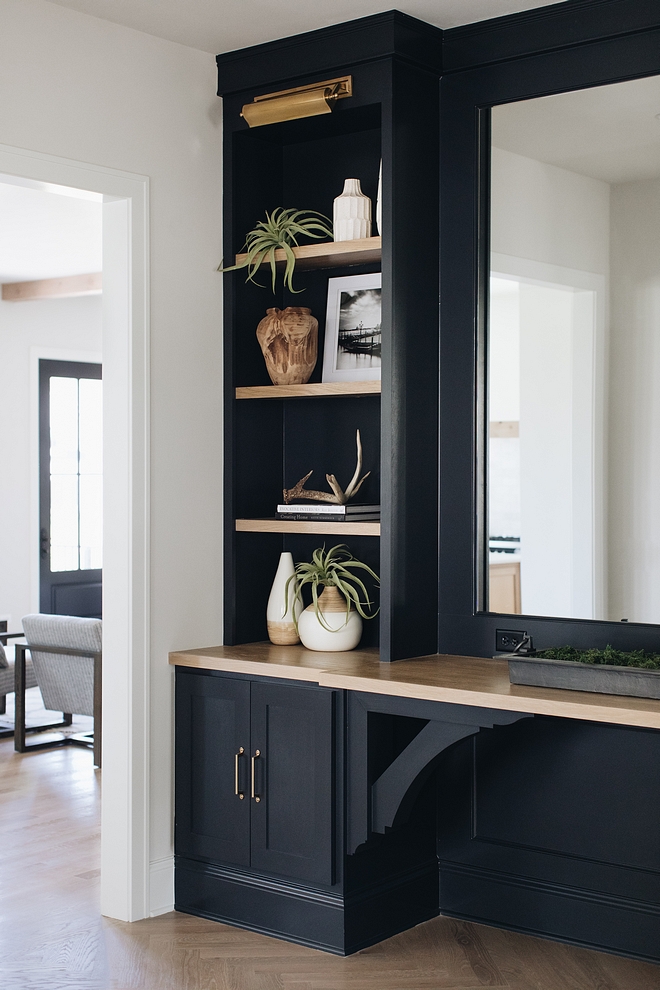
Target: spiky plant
x,y
280,229
332,567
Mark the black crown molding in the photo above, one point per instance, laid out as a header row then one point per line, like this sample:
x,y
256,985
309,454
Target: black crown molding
x,y
391,34
545,29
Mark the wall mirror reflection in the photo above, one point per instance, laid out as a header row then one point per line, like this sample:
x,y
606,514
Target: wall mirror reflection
x,y
573,484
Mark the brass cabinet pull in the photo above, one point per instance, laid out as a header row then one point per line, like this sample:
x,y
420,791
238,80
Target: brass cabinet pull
x,y
239,794
256,797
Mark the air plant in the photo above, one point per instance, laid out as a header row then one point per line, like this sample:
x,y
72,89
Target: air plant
x,y
280,229
332,568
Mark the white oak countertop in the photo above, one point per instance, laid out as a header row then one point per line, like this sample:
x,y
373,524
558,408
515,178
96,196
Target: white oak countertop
x,y
475,681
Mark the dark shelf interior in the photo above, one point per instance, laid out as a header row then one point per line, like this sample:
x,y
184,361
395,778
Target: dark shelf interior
x,y
301,164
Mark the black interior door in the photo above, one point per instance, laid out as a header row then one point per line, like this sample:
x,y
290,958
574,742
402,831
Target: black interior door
x,y
212,768
293,822
70,488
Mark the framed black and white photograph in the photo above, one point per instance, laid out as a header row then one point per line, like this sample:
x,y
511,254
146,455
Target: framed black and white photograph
x,y
352,329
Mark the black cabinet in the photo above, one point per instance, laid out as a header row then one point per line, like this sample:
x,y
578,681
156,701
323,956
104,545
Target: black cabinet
x,y
292,811
255,769
261,816
213,742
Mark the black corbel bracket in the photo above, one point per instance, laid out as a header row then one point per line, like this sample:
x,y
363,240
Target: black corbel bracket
x,y
375,805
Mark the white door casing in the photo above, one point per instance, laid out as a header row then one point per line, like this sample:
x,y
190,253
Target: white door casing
x,y
125,806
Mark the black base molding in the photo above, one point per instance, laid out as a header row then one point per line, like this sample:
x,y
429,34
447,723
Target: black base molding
x,y
565,914
321,919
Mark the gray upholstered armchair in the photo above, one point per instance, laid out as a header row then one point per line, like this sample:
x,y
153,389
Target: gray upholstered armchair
x,y
66,658
7,679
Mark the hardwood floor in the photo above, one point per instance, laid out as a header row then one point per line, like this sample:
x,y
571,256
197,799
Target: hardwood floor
x,y
53,938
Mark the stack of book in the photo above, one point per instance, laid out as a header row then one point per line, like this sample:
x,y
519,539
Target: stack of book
x,y
327,512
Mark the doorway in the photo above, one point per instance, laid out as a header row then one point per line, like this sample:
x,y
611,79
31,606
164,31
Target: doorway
x,y
125,813
70,488
546,451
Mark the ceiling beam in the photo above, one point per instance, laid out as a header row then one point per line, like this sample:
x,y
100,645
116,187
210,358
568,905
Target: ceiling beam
x,y
53,288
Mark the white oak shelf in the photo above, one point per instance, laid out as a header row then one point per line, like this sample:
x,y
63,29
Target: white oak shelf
x,y
456,680
308,526
328,389
331,254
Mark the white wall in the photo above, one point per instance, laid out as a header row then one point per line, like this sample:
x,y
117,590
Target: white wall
x,y
545,213
47,326
92,91
556,218
634,463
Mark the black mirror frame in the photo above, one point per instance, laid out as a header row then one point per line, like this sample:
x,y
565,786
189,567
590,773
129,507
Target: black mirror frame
x,y
569,46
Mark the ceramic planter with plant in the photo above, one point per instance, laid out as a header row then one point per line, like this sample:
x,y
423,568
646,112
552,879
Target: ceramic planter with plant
x,y
333,621
288,337
634,674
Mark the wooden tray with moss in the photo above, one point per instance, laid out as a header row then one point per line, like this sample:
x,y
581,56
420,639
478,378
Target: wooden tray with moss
x,y
607,671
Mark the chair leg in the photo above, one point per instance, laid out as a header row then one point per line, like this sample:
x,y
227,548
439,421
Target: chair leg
x,y
19,689
97,709
20,728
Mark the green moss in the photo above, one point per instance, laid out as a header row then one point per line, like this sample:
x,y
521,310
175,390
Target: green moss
x,y
607,657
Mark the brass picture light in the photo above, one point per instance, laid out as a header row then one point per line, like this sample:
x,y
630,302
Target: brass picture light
x,y
303,101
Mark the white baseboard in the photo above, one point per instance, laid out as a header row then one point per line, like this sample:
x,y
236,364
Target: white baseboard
x,y
161,886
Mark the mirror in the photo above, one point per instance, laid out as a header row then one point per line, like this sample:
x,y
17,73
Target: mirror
x,y
573,355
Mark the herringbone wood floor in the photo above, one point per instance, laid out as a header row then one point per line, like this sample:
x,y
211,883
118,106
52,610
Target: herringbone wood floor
x,y
52,937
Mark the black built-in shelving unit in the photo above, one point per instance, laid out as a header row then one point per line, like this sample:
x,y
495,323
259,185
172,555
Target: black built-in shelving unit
x,y
270,444
548,825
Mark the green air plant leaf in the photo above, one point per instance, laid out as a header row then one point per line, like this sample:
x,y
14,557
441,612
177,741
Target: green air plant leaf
x,y
280,229
332,568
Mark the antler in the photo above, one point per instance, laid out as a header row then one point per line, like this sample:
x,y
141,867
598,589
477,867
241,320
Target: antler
x,y
340,497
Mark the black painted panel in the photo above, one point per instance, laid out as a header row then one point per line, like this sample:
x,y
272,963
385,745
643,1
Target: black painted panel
x,y
409,404
213,722
321,437
362,40
77,599
260,904
257,558
550,826
569,787
568,24
293,824
563,913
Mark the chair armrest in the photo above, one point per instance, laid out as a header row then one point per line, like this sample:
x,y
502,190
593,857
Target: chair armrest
x,y
5,636
66,651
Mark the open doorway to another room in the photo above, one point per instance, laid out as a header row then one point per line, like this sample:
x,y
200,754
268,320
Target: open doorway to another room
x,y
50,430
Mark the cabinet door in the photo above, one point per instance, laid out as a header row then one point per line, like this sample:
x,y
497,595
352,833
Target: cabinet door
x,y
212,724
293,819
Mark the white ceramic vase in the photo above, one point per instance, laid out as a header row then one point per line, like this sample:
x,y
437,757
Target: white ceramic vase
x,y
341,635
351,213
280,615
379,200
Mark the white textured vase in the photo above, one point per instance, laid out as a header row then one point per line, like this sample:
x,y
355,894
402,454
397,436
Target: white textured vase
x,y
280,616
379,200
351,213
342,634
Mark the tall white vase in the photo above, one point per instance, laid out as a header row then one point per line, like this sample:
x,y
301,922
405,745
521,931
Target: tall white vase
x,y
280,615
379,200
351,213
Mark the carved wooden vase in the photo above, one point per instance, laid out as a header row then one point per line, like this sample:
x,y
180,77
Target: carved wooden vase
x,y
289,343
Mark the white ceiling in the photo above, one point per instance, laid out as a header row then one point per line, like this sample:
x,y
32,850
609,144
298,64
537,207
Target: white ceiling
x,y
45,234
224,25
610,133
